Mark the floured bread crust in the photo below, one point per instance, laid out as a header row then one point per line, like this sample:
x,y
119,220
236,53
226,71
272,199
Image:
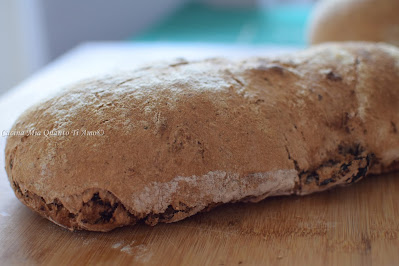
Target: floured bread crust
x,y
165,142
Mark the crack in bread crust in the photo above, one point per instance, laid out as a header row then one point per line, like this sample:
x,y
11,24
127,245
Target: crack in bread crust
x,y
97,214
352,166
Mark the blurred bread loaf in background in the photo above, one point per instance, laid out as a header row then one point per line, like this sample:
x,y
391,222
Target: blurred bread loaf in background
x,y
355,20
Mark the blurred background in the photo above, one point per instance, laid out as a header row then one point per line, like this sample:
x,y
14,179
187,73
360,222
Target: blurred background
x,y
35,32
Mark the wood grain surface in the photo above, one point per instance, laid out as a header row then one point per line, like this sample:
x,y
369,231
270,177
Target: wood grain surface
x,y
356,225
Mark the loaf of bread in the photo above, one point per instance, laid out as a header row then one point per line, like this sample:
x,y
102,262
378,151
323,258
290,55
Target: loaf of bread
x,y
355,20
162,143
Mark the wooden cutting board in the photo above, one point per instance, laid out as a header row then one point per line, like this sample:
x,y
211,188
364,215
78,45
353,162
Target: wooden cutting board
x,y
357,225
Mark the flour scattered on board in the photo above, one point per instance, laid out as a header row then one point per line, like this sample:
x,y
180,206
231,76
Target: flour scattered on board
x,y
117,245
127,249
140,252
88,241
4,214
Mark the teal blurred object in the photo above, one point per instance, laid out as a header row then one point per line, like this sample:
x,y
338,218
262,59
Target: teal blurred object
x,y
201,23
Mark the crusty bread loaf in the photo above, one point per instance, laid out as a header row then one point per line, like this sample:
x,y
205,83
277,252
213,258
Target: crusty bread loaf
x,y
162,143
355,20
